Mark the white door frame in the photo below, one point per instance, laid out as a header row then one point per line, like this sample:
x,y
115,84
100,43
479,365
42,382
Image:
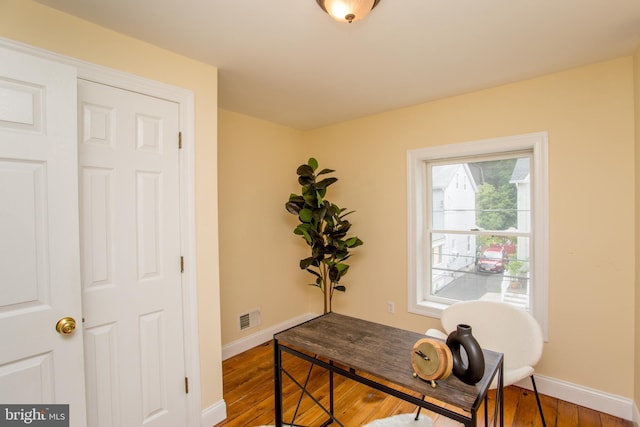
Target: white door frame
x,y
185,99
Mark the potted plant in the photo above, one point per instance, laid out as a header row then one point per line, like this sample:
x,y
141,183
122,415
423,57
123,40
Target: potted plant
x,y
324,228
514,268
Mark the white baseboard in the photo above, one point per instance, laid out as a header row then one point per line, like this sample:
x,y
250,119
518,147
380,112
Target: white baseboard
x,y
636,415
583,396
214,414
262,336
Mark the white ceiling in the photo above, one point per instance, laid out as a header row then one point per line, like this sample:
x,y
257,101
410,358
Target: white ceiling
x,y
287,62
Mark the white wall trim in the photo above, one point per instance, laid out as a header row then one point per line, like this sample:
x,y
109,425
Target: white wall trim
x,y
214,414
601,401
185,100
636,415
260,337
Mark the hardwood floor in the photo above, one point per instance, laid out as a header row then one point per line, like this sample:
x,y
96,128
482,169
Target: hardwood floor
x,y
248,393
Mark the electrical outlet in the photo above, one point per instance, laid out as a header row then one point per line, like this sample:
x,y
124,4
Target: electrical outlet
x,y
391,307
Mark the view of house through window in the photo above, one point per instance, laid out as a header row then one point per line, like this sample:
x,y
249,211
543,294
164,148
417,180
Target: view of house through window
x,y
478,230
478,224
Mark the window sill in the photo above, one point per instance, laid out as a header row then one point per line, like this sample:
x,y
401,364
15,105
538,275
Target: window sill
x,y
427,308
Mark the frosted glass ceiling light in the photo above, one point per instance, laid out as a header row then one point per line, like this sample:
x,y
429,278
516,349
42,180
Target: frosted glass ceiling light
x,y
348,10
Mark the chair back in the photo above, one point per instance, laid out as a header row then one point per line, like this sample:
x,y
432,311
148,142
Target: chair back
x,y
499,327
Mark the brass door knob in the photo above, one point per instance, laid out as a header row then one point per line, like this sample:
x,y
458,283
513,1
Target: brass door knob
x,y
66,326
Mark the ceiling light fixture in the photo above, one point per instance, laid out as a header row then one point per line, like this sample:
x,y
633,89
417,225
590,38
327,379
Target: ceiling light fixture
x,y
347,10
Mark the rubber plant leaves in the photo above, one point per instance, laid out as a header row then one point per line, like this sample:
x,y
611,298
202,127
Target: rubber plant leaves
x,y
324,228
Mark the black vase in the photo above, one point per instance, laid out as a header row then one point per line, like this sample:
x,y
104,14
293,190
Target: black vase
x,y
472,371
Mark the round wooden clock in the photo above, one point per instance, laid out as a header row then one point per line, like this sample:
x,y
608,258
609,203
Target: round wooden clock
x,y
431,360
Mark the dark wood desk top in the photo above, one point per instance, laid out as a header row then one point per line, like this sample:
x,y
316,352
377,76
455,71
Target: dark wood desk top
x,y
384,352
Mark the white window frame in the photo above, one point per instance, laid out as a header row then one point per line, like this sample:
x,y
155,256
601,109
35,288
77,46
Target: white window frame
x,y
417,212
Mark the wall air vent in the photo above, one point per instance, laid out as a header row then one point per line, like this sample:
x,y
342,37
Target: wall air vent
x,y
250,319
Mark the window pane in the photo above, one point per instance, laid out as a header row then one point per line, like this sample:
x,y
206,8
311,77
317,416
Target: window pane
x,y
474,206
464,197
495,268
481,195
453,197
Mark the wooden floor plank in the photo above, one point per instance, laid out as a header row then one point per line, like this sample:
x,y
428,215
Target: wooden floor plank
x,y
550,409
527,409
567,414
588,417
249,396
611,421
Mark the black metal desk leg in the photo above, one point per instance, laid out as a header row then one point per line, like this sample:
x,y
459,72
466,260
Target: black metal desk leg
x,y
277,381
419,409
331,389
501,391
486,409
473,422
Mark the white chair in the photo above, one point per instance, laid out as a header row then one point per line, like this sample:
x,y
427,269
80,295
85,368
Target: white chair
x,y
502,328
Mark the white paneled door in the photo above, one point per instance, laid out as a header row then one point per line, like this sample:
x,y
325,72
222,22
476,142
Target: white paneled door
x,y
39,250
130,257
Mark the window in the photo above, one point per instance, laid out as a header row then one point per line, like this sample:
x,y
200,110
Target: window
x,y
486,239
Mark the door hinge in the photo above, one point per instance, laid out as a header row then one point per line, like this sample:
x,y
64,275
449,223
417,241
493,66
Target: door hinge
x,y
181,264
180,140
186,385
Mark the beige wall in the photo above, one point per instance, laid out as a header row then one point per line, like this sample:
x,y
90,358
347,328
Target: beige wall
x,y
36,25
259,252
636,324
589,115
